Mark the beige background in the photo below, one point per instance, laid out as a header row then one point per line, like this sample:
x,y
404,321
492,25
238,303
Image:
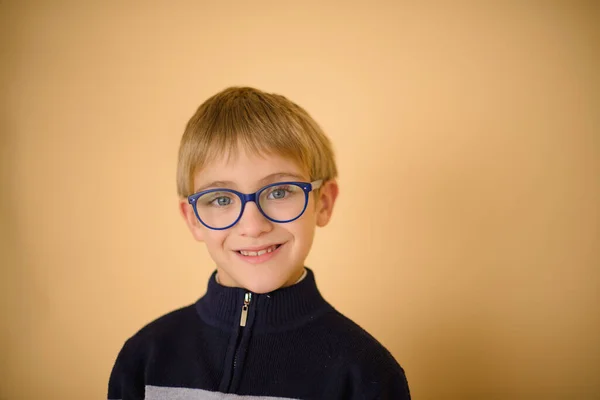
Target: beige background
x,y
466,238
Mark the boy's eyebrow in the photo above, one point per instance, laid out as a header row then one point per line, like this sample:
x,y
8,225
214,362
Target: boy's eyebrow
x,y
269,178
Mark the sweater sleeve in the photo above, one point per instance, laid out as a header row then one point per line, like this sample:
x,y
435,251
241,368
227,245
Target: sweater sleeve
x,y
394,386
380,378
127,378
390,385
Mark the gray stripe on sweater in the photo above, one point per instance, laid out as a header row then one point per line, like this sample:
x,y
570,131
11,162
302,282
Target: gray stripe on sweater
x,y
175,393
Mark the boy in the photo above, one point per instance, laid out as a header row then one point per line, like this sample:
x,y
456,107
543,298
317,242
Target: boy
x,y
255,176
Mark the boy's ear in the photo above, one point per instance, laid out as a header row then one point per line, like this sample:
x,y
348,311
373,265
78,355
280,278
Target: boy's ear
x,y
328,193
187,212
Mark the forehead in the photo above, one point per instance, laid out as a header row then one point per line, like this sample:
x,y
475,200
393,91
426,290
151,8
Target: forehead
x,y
245,170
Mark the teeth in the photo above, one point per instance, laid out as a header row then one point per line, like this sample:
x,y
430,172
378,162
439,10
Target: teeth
x,y
258,253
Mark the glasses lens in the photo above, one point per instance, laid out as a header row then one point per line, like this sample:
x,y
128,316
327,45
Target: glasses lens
x,y
218,209
282,202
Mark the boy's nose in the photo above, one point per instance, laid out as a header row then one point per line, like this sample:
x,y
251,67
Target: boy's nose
x,y
253,223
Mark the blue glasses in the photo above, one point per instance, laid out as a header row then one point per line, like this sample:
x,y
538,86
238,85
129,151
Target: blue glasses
x,y
279,202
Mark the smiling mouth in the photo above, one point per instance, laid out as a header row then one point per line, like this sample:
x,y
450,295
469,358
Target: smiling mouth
x,y
260,252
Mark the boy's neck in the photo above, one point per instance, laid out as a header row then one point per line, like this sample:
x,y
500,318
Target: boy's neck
x,y
304,273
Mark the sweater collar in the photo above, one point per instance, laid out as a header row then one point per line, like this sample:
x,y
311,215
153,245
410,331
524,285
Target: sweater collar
x,y
281,309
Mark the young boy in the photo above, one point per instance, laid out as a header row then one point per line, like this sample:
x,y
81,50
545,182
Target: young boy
x,y
255,176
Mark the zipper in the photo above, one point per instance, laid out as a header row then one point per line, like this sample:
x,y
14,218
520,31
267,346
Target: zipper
x,y
243,320
244,317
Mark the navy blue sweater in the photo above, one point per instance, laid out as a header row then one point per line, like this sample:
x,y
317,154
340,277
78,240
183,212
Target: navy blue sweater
x,y
233,344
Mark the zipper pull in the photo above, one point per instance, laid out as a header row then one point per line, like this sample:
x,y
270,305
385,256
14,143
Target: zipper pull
x,y
247,299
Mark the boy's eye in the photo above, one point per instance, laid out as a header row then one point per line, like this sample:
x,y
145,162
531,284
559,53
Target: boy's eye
x,y
278,194
222,201
282,192
216,199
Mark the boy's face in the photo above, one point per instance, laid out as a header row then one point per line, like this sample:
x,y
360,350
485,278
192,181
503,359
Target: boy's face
x,y
247,173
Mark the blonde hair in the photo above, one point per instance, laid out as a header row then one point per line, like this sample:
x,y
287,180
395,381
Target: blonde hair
x,y
262,123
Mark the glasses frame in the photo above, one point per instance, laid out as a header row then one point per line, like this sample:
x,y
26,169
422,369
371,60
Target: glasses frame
x,y
245,198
